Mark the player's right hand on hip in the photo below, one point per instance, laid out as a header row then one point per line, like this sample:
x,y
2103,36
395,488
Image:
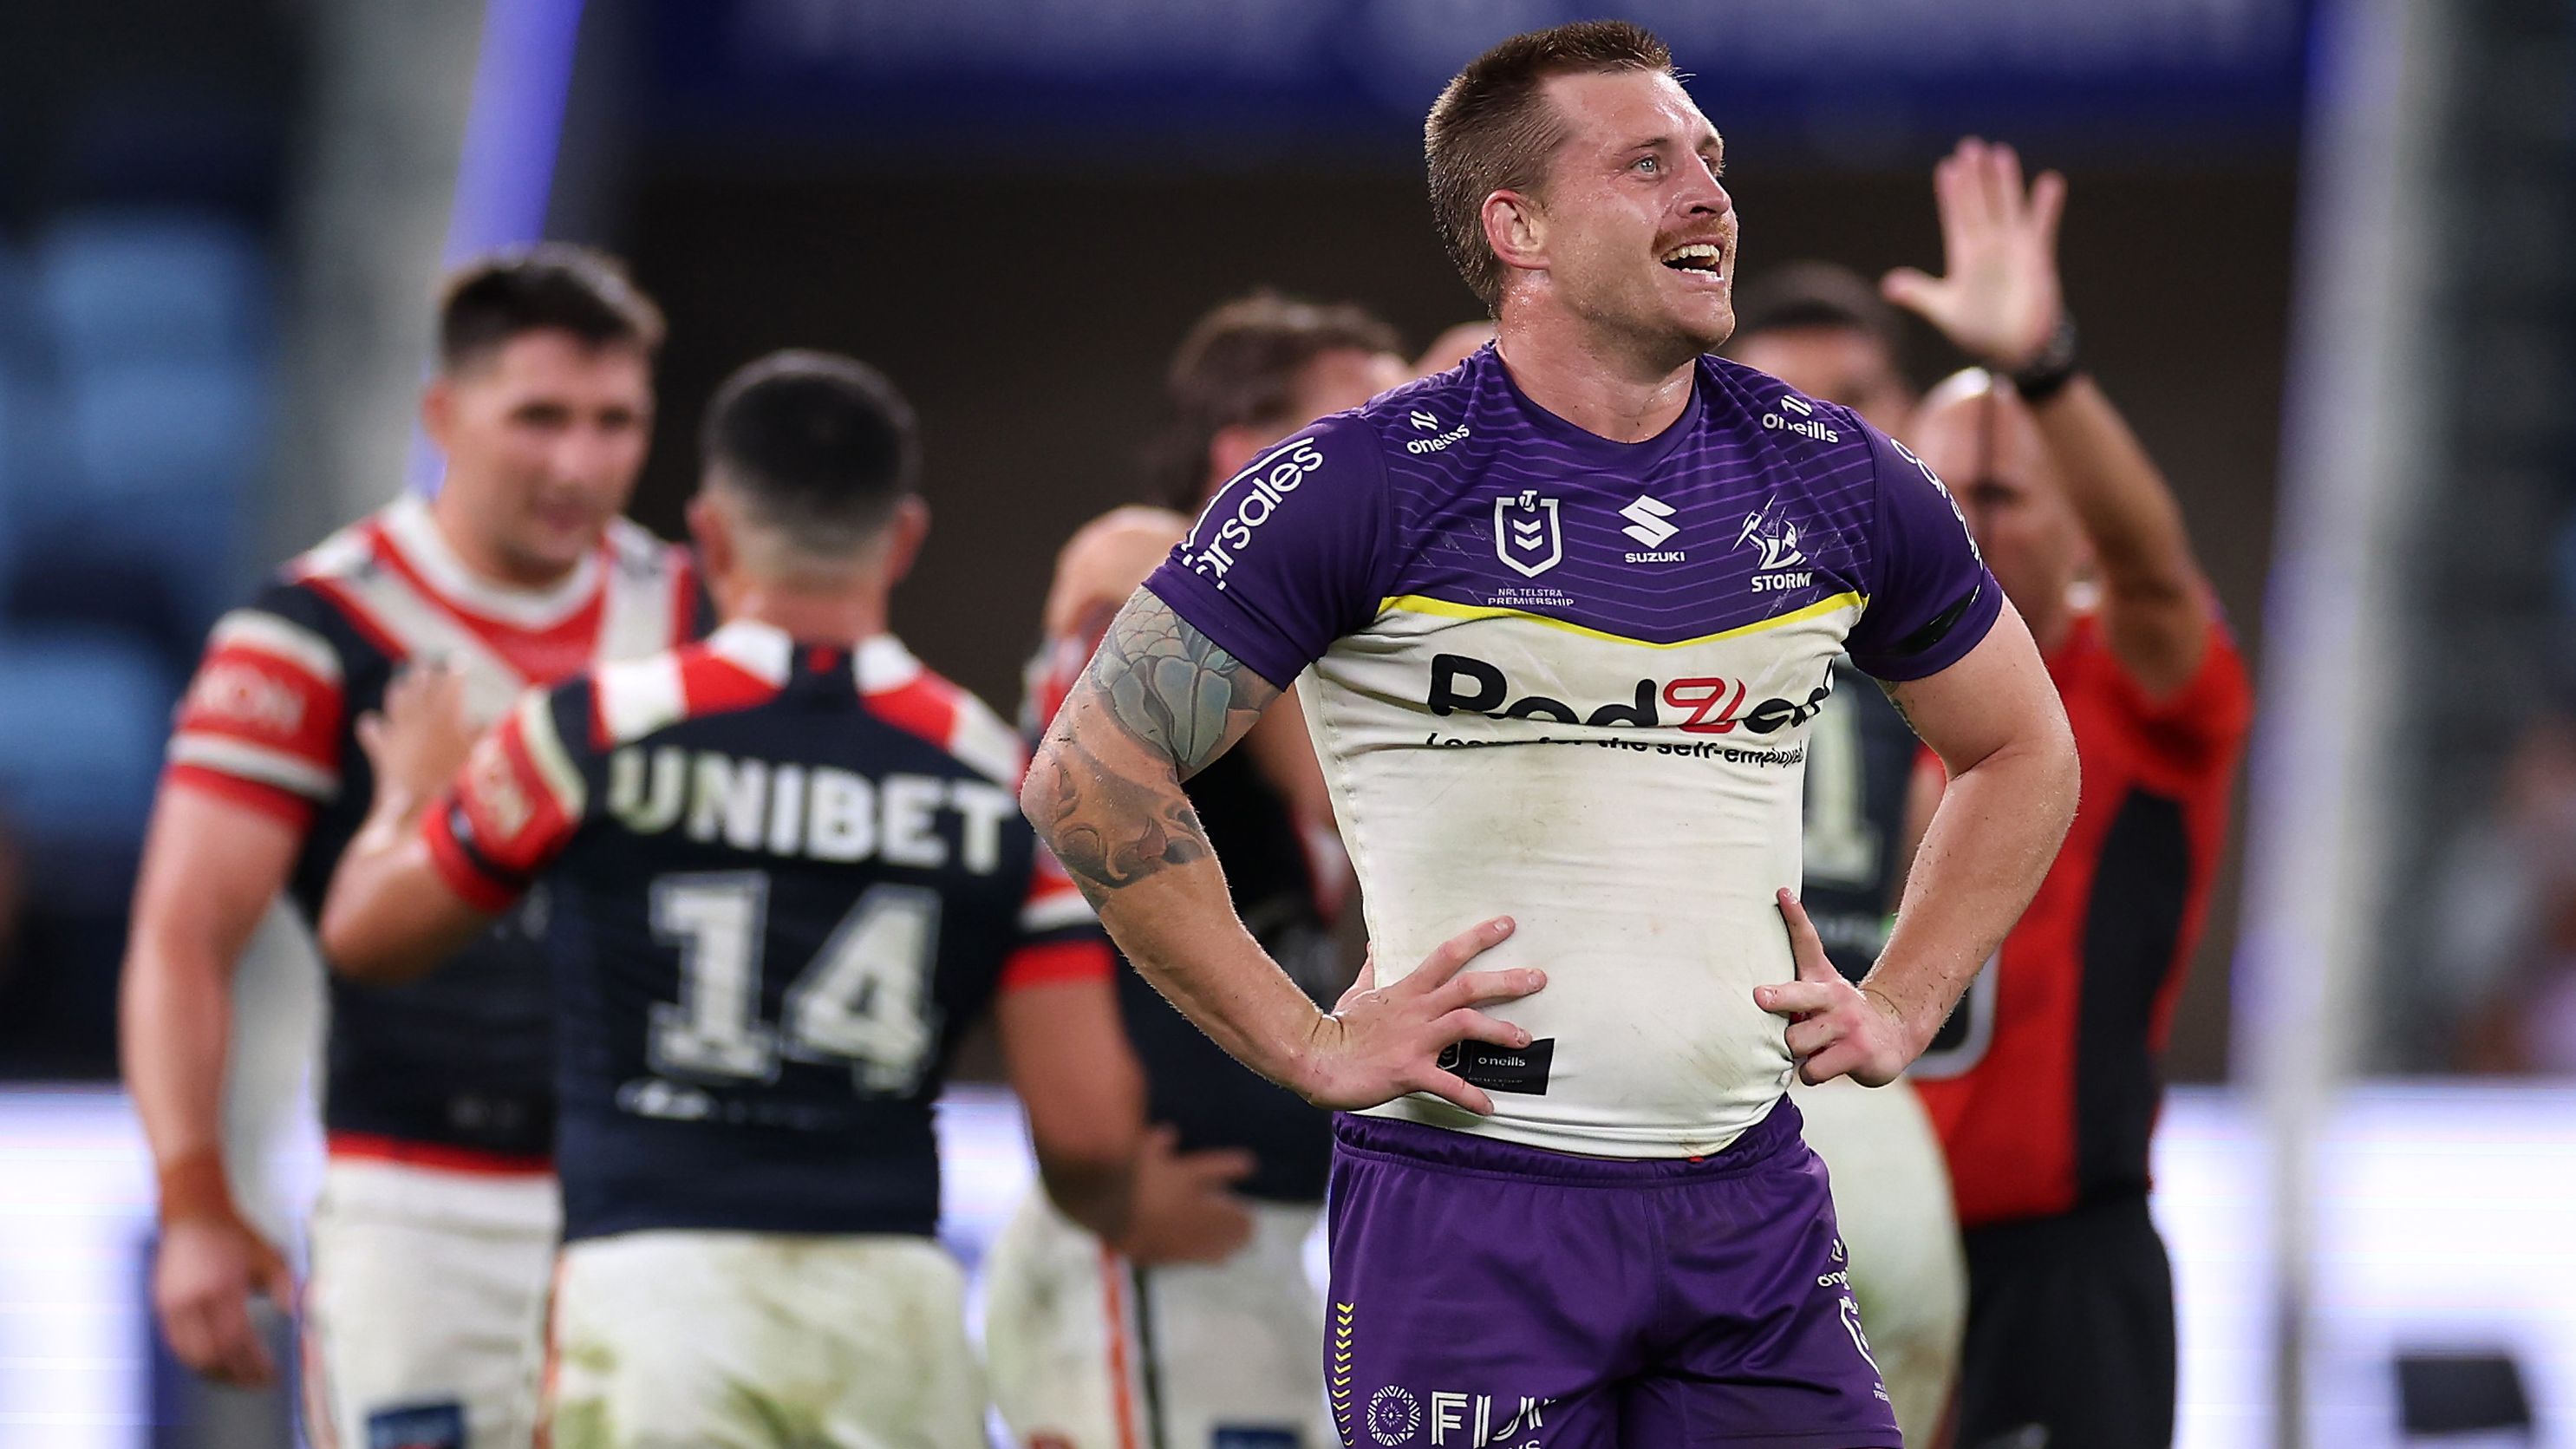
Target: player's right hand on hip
x,y
1182,1208
202,1281
1383,1042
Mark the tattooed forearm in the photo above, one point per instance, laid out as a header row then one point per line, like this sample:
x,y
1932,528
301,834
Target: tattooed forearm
x,y
1159,701
1107,830
1172,687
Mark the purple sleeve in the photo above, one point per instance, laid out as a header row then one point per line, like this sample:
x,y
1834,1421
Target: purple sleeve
x,y
1930,597
1289,555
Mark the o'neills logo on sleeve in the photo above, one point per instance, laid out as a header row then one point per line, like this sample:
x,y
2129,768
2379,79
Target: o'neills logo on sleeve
x,y
1244,505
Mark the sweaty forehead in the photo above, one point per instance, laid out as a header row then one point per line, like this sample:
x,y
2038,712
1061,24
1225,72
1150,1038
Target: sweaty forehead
x,y
1620,108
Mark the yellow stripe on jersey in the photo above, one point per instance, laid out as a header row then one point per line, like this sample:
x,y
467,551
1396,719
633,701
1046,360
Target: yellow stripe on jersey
x,y
1419,604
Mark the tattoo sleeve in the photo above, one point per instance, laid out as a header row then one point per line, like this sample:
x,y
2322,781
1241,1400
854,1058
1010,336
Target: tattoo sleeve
x,y
1172,687
1157,703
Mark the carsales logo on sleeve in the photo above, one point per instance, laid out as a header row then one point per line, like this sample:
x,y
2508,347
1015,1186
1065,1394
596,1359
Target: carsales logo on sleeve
x,y
1241,507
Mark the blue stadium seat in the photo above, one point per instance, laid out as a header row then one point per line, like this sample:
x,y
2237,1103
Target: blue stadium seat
x,y
153,432
82,720
127,285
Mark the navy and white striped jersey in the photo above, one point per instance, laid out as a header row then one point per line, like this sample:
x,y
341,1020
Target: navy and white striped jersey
x,y
783,879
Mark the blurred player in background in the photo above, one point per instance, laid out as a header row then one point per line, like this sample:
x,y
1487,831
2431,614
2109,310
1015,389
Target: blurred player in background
x,y
1826,332
1089,1352
2047,1100
786,876
1570,608
435,1234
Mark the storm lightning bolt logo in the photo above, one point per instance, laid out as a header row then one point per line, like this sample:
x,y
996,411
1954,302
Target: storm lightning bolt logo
x,y
1776,536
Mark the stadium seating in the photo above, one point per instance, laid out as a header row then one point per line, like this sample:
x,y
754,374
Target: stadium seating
x,y
134,421
81,721
150,285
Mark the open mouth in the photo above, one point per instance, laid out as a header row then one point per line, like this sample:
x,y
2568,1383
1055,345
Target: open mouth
x,y
1702,257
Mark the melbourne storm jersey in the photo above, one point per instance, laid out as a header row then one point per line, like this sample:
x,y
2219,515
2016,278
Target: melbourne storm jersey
x,y
784,880
1573,680
460,1060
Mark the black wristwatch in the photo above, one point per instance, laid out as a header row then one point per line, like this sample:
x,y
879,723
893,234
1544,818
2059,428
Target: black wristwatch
x,y
2053,366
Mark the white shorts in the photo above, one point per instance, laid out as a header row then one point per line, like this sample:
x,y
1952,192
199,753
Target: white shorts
x,y
712,1340
1892,1200
1090,1352
424,1307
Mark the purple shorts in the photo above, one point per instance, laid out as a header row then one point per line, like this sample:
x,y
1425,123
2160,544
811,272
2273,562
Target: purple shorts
x,y
1486,1293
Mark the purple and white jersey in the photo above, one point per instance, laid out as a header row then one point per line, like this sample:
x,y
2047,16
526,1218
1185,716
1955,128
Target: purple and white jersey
x,y
1570,680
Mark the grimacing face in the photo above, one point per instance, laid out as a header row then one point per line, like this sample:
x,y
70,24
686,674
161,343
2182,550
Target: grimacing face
x,y
1637,235
544,438
1988,450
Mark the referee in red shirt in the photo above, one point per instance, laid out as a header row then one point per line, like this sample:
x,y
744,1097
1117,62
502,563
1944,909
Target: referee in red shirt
x,y
2047,1091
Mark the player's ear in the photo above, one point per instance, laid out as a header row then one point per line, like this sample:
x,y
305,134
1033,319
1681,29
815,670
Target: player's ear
x,y
904,534
438,410
1516,229
715,542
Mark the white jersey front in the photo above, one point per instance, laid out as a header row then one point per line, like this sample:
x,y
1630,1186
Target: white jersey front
x,y
1570,680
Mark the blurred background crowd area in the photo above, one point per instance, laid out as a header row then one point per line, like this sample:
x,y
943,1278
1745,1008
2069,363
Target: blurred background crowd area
x,y
220,223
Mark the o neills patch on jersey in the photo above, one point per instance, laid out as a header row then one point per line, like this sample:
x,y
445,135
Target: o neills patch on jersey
x,y
1502,1069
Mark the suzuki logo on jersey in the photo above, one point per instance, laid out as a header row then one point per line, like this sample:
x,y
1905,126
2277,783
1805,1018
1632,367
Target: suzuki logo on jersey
x,y
1525,534
1708,705
1244,505
1777,538
1648,523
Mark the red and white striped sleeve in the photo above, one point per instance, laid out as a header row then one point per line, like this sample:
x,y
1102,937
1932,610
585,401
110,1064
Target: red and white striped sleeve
x,y
514,807
1060,940
261,721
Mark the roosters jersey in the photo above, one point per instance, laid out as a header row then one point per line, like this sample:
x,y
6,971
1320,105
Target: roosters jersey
x,y
459,1060
2048,1096
1573,680
784,880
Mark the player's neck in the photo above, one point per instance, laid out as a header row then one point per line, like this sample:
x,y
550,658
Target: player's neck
x,y
1592,381
483,557
812,616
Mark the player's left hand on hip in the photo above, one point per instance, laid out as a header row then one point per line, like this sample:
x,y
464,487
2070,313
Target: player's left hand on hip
x,y
1836,1029
2000,297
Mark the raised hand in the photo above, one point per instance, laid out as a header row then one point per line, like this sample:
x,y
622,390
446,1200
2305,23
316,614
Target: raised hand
x,y
1381,1043
1999,297
1835,1029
